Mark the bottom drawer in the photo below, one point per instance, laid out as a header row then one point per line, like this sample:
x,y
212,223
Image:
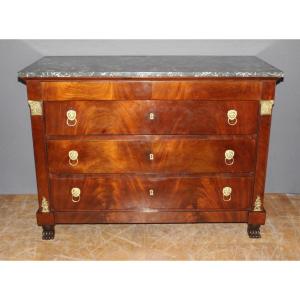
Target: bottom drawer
x,y
125,192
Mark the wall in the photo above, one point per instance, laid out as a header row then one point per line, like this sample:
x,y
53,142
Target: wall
x,y
16,153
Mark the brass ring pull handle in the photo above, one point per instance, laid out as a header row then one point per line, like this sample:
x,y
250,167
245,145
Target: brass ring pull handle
x,y
229,157
151,192
232,117
227,193
71,118
73,158
75,192
151,156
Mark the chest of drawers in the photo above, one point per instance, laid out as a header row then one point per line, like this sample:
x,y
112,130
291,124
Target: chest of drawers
x,y
150,139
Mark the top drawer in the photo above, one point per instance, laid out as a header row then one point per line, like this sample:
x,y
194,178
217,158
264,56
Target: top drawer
x,y
201,89
150,117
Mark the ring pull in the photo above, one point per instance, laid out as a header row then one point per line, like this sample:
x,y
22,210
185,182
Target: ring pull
x,y
229,157
73,158
75,192
232,117
151,156
227,193
151,192
71,118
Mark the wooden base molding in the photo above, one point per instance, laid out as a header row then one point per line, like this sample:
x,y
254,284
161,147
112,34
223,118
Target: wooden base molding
x,y
149,217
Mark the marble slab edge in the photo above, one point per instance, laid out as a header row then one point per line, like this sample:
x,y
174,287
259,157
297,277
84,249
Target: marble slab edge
x,y
149,74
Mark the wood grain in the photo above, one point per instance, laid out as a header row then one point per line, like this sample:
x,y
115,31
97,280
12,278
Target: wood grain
x,y
207,89
114,137
96,90
34,90
124,192
201,89
264,126
133,117
41,168
171,155
154,217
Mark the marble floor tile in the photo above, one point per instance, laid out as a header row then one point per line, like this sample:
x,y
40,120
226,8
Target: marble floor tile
x,y
20,237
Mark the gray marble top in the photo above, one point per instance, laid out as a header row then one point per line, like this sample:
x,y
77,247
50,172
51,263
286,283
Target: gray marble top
x,y
150,66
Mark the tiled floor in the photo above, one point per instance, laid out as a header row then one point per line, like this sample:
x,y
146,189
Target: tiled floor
x,y
20,237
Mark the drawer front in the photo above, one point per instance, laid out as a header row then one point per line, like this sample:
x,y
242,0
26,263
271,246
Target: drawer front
x,y
123,192
152,154
150,117
200,89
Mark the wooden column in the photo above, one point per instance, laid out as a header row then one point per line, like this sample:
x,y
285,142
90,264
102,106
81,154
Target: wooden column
x,y
45,216
258,214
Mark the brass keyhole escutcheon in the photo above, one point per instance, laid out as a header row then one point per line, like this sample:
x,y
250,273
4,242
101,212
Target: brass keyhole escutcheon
x,y
151,116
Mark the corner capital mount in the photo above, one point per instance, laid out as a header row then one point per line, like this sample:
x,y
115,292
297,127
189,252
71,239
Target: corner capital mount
x,y
36,107
266,107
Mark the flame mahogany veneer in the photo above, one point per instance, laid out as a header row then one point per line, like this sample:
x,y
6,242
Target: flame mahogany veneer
x,y
120,123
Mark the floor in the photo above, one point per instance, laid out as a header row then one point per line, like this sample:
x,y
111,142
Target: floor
x,y
20,237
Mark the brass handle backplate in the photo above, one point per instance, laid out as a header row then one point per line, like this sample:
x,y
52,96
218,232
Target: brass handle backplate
x,y
75,192
229,157
73,158
232,117
227,190
71,118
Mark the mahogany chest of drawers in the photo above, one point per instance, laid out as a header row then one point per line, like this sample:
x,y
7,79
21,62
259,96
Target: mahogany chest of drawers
x,y
150,139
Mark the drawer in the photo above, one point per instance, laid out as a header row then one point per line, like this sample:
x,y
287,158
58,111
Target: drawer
x,y
152,154
124,192
200,89
150,117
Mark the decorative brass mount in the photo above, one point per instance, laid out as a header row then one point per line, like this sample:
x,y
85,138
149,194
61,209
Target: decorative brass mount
x,y
266,107
36,107
257,204
71,117
75,192
232,117
45,205
227,190
229,157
